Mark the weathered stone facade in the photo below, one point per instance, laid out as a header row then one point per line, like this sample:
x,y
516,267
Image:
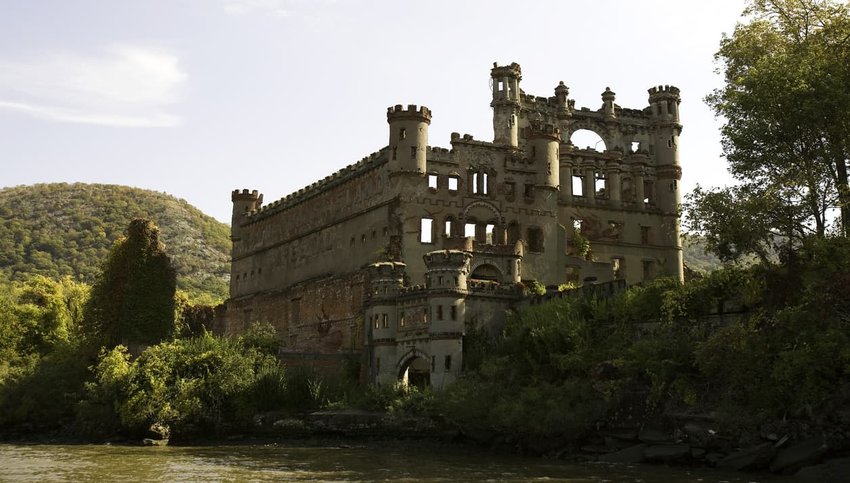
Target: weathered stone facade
x,y
393,257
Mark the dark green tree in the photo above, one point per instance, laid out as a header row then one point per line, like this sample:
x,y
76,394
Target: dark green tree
x,y
786,133
133,300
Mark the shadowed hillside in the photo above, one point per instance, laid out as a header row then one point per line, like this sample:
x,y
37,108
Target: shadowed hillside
x,y
67,229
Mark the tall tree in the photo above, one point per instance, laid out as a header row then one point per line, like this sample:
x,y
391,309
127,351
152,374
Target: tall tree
x,y
133,300
785,104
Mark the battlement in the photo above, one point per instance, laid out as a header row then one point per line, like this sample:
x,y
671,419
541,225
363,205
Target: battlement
x,y
244,195
512,70
412,112
345,174
387,270
663,92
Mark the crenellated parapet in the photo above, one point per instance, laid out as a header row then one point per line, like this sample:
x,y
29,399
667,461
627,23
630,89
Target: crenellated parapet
x,y
352,171
410,113
664,104
386,279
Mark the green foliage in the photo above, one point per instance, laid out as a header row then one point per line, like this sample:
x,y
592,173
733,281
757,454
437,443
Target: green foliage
x,y
59,230
133,300
192,384
784,104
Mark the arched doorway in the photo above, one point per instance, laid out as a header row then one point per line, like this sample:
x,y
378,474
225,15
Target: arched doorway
x,y
415,371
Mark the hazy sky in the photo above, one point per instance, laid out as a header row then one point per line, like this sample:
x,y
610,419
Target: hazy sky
x,y
200,97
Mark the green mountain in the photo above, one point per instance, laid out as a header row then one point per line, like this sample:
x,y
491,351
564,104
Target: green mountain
x,y
696,258
64,229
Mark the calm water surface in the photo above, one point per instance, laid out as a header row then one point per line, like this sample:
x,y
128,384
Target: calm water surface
x,y
273,462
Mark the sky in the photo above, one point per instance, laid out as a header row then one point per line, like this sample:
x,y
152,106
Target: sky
x,y
197,98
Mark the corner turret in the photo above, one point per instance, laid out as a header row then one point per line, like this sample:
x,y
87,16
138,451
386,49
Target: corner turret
x,y
664,106
608,103
447,269
244,202
408,138
506,103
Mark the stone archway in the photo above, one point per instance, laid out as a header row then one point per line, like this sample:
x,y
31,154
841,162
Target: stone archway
x,y
414,369
486,271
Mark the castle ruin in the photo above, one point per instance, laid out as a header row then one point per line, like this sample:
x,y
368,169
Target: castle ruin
x,y
393,258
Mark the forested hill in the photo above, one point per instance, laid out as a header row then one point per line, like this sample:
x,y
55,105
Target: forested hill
x,y
67,229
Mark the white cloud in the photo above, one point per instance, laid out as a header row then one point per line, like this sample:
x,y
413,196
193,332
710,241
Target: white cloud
x,y
122,86
242,7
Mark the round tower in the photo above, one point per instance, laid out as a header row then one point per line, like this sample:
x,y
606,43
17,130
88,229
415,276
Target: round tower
x,y
408,138
506,103
543,143
664,111
447,269
380,317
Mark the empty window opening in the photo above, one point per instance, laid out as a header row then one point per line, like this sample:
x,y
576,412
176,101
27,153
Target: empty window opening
x,y
535,239
578,185
363,238
453,312
448,363
448,228
600,185
500,86
645,235
375,322
385,321
488,233
433,362
529,190
475,183
432,181
395,152
452,183
635,146
439,312
469,230
648,192
402,133
670,143
589,140
648,270
484,183
618,267
412,151
377,364
425,227
401,320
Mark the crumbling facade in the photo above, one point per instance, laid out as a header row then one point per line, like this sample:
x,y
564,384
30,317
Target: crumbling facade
x,y
394,257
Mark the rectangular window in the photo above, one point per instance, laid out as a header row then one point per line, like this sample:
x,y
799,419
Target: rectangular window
x,y
475,183
448,363
484,183
618,267
454,312
510,188
600,185
425,230
452,183
376,321
439,312
488,233
469,230
433,362
401,320
578,185
412,151
649,192
402,133
386,321
432,181
448,228
645,235
529,190
377,364
648,270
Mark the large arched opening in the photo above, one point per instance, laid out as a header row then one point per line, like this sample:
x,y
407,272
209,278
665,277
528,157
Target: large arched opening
x,y
589,140
486,272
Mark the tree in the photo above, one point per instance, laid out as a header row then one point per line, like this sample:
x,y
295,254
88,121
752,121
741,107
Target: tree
x,y
786,133
133,300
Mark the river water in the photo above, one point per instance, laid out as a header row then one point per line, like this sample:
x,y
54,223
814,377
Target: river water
x,y
290,462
